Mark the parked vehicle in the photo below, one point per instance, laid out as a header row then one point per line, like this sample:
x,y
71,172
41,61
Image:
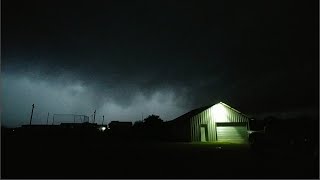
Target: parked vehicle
x,y
288,135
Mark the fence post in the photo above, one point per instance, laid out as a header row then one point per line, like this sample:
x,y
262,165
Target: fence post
x,y
47,118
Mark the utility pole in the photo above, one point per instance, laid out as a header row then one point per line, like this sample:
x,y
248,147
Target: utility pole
x,y
102,120
47,118
31,113
52,119
94,116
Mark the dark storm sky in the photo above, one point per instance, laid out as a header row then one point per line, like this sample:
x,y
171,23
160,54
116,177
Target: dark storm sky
x,y
162,57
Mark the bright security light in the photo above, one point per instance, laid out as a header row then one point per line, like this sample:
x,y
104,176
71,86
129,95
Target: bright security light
x,y
219,113
102,128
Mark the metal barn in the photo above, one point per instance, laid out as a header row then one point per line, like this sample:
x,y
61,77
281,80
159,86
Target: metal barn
x,y
218,122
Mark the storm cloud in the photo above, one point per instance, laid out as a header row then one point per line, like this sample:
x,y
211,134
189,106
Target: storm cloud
x,y
163,57
65,95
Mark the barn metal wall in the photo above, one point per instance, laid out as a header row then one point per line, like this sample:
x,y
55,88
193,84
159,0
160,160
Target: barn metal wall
x,y
232,133
209,118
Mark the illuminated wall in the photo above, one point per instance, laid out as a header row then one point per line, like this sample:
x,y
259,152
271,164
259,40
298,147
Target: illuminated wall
x,y
218,113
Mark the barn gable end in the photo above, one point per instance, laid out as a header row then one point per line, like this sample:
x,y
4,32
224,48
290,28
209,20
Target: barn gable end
x,y
218,122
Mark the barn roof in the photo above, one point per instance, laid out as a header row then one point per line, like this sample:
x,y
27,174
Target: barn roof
x,y
194,112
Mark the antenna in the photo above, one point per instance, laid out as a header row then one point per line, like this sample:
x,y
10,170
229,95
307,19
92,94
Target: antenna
x,y
94,116
31,113
102,119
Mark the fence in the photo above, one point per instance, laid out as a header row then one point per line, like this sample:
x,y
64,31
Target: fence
x,y
69,118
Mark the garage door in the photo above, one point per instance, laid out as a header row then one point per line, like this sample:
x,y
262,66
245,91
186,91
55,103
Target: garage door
x,y
232,133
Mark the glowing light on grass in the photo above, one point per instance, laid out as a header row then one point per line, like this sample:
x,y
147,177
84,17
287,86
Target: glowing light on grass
x,y
219,113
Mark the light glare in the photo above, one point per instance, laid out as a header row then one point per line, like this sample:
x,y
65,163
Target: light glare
x,y
219,113
102,128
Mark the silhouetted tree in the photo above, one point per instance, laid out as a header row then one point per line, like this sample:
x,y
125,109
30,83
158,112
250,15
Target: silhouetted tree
x,y
138,124
153,127
153,121
150,128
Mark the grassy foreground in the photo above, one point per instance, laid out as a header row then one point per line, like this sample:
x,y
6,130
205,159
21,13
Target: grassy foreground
x,y
71,157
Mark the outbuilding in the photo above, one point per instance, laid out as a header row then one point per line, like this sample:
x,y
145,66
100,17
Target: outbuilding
x,y
218,122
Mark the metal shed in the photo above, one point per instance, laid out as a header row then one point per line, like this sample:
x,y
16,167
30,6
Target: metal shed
x,y
218,122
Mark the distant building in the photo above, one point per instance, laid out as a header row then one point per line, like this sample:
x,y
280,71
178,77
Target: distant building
x,y
79,125
62,126
119,126
39,126
218,122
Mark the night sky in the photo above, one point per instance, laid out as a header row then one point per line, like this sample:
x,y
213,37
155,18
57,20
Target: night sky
x,y
129,59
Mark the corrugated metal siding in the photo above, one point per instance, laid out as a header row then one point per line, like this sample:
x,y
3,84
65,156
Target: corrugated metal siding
x,y
232,133
233,116
209,118
197,120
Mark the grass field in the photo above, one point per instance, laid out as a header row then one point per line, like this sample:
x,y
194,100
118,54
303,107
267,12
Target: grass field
x,y
88,158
